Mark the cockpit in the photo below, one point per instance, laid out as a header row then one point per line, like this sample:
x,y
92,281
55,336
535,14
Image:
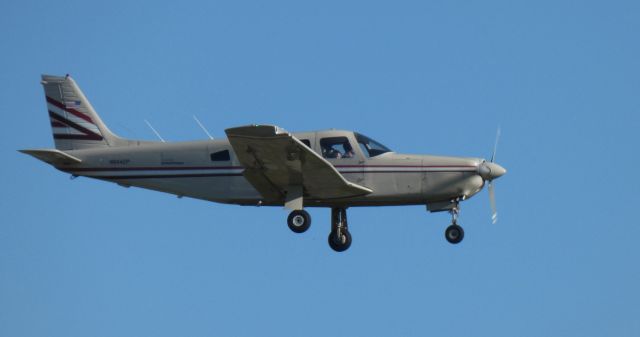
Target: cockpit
x,y
340,147
336,147
370,147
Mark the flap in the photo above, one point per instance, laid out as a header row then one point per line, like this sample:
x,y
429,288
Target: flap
x,y
274,160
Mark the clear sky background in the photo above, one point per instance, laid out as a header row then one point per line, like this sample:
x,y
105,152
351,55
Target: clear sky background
x,y
562,78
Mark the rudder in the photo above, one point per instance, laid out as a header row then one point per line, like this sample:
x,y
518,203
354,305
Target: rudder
x,y
74,122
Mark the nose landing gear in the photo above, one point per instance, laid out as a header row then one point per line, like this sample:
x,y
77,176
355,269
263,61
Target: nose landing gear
x,y
454,233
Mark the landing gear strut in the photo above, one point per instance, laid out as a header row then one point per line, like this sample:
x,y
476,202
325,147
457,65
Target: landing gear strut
x,y
454,233
339,238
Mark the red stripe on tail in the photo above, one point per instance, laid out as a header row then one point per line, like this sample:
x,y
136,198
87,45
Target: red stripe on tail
x,y
57,124
69,110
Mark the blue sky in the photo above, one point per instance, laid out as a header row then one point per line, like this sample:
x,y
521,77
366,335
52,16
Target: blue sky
x,y
562,78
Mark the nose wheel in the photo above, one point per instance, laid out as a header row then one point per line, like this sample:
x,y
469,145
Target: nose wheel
x,y
454,233
339,238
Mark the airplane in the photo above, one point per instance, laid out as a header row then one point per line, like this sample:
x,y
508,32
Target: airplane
x,y
264,165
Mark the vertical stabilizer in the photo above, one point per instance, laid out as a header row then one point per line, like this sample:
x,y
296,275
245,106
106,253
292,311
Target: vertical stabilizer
x,y
74,122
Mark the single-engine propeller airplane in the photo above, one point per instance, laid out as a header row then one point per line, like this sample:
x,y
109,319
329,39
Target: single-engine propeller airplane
x,y
264,165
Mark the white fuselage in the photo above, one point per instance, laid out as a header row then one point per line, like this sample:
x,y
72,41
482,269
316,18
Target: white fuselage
x,y
190,169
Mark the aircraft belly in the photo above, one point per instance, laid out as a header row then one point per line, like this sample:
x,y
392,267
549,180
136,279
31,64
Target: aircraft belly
x,y
395,186
219,189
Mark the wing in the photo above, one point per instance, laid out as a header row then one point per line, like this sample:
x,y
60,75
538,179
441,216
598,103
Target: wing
x,y
277,163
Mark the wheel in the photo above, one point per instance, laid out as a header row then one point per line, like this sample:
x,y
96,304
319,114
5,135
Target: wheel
x,y
340,244
299,221
454,234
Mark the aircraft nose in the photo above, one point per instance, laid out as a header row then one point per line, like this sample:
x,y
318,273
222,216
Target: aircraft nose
x,y
490,171
496,170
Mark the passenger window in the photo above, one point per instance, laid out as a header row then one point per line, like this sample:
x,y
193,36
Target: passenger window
x,y
220,156
306,142
336,147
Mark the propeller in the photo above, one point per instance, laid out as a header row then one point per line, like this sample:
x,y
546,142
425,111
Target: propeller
x,y
492,200
490,171
495,146
491,188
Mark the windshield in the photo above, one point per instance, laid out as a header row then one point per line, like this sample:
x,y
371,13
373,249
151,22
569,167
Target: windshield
x,y
370,147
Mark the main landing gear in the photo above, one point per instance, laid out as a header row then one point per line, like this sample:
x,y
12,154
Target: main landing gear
x,y
339,238
299,221
454,233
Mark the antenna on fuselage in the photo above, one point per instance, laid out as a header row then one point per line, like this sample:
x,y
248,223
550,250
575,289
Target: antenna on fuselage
x,y
202,127
154,130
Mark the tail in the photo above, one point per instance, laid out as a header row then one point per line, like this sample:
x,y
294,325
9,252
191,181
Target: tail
x,y
74,122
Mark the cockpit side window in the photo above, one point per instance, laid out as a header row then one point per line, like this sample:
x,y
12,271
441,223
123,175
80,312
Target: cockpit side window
x,y
306,142
370,147
336,147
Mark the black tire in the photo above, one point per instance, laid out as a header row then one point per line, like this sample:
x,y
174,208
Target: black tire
x,y
454,234
299,221
340,246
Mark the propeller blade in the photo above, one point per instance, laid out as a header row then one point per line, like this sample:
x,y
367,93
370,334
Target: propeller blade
x,y
496,171
492,200
495,146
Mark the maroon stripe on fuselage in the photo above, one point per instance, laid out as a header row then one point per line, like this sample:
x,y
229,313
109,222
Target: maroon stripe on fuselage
x,y
164,168
164,176
392,171
406,166
70,110
206,175
158,168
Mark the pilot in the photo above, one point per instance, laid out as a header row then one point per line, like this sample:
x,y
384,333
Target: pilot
x,y
348,151
333,153
330,152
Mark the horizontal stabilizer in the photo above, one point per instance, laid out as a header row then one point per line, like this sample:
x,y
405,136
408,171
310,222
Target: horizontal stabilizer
x,y
53,157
